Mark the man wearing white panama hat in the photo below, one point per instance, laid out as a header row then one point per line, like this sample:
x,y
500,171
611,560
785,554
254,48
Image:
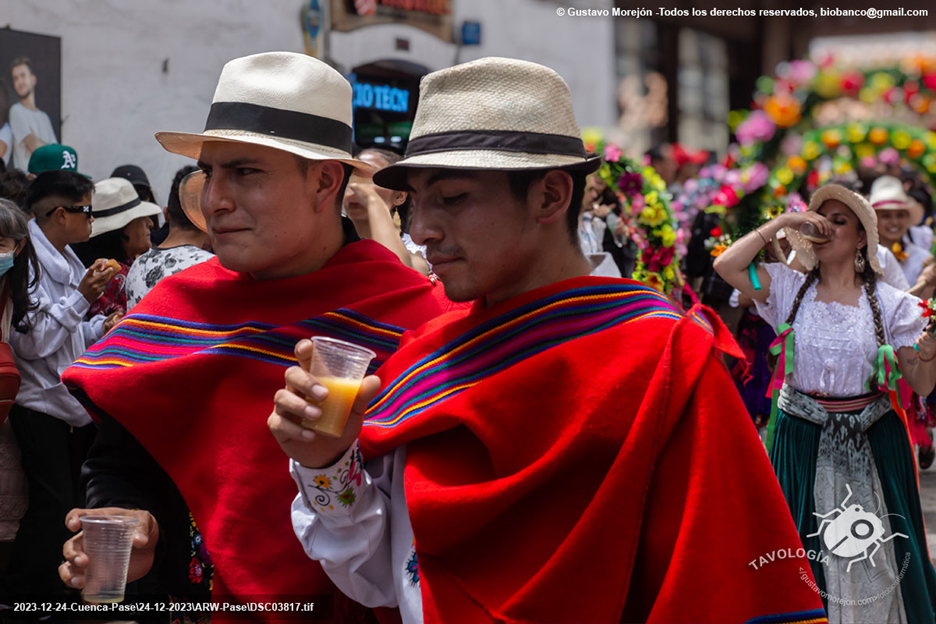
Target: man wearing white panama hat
x,y
179,382
557,453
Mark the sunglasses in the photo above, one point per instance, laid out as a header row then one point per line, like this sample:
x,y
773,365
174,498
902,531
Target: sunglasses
x,y
85,209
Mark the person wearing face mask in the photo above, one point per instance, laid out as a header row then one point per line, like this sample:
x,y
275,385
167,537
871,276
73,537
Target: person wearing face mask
x,y
373,209
16,257
121,231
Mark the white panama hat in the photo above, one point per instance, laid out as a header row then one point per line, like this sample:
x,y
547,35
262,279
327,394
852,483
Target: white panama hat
x,y
887,193
493,114
287,101
858,205
283,100
115,203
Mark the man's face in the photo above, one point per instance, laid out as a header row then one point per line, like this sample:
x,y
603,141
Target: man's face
x,y
77,224
258,207
23,81
480,240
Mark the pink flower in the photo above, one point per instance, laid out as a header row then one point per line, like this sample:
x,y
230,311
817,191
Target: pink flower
x,y
801,72
692,185
754,177
726,197
889,156
612,153
868,162
758,127
718,172
637,204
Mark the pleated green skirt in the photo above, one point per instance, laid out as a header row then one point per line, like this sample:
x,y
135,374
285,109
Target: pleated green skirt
x,y
794,453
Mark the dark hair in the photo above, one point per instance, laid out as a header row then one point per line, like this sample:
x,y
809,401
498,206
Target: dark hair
x,y
177,216
391,157
13,224
56,183
14,184
520,182
921,195
106,245
22,60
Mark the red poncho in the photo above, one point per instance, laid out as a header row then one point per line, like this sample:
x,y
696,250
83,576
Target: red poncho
x,y
580,454
192,372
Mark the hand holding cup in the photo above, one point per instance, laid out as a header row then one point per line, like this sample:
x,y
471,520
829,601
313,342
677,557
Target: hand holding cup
x,y
304,404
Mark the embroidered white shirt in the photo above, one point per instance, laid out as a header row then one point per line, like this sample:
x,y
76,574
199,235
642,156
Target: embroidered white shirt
x,y
835,344
356,524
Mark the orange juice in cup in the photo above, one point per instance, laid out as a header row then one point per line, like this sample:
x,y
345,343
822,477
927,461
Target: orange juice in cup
x,y
339,366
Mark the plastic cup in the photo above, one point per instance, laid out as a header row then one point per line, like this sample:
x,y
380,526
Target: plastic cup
x,y
811,233
339,366
107,542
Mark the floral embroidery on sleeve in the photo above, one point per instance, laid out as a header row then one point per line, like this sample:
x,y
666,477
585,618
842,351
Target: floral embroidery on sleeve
x,y
338,485
412,567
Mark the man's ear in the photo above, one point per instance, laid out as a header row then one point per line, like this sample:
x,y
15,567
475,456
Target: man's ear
x,y
552,195
324,180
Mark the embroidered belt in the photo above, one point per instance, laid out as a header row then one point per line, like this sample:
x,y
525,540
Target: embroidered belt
x,y
854,404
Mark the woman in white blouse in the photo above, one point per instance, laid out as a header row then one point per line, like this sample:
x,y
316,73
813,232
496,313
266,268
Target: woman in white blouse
x,y
839,447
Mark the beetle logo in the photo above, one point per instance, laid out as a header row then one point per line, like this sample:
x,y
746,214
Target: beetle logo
x,y
849,531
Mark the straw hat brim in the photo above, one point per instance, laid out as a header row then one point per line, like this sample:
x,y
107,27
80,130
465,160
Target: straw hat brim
x,y
394,176
190,144
806,254
913,207
119,220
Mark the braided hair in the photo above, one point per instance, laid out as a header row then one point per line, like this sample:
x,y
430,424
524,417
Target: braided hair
x,y
870,285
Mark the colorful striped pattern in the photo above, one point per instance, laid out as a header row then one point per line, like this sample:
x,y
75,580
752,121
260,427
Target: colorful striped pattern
x,y
511,338
847,405
815,616
142,339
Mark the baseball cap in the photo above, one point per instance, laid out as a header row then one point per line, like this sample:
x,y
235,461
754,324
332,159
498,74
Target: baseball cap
x,y
53,157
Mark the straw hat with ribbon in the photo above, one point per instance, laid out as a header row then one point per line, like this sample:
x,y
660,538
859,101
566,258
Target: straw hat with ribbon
x,y
290,102
493,113
887,193
115,203
805,252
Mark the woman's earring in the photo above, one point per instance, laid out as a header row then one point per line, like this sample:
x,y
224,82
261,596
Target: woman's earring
x,y
859,261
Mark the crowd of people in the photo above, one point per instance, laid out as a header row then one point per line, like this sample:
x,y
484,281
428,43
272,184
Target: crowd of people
x,y
538,439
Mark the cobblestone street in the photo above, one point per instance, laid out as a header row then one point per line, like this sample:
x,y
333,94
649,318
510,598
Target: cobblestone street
x,y
928,501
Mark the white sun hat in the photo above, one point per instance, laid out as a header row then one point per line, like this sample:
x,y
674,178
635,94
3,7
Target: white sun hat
x,y
287,101
115,203
493,113
887,193
805,252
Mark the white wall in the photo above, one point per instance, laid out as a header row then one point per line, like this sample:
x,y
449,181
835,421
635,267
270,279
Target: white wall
x,y
580,49
115,94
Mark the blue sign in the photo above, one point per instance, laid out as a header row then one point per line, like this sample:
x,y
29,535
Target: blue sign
x,y
380,97
471,33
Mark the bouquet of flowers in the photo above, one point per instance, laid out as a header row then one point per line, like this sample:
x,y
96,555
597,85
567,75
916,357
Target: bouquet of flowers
x,y
643,196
